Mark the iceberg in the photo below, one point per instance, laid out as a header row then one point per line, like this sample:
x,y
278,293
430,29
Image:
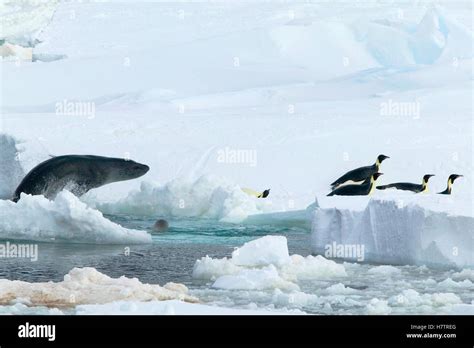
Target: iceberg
x,y
394,234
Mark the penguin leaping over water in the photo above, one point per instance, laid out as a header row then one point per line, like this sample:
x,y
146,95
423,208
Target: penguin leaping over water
x,y
251,192
451,179
363,189
359,175
408,186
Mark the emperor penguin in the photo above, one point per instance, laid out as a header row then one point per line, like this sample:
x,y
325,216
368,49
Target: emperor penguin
x,y
359,175
408,186
363,189
451,179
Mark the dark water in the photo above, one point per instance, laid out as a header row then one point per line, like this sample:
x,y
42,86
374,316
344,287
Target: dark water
x,y
170,257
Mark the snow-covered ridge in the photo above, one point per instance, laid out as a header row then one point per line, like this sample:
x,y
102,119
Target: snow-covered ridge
x,y
396,234
83,286
306,49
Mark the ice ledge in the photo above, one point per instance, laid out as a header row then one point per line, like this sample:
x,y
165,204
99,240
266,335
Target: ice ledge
x,y
395,234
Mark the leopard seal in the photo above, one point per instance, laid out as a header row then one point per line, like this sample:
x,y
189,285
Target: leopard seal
x,y
77,174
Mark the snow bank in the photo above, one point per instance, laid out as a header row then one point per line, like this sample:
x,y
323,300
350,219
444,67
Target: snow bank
x,y
171,307
396,234
87,286
66,219
264,263
205,197
11,171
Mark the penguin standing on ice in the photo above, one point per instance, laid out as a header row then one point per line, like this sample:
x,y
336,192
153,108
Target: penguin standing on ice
x,y
451,179
408,186
361,174
363,189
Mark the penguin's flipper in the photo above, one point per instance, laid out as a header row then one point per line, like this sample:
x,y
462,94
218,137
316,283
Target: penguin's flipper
x,y
251,192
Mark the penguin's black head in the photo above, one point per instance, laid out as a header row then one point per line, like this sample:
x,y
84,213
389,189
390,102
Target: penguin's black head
x,y
376,175
266,193
381,158
453,177
427,177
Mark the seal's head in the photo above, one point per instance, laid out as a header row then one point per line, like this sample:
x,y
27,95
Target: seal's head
x,y
161,226
123,169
